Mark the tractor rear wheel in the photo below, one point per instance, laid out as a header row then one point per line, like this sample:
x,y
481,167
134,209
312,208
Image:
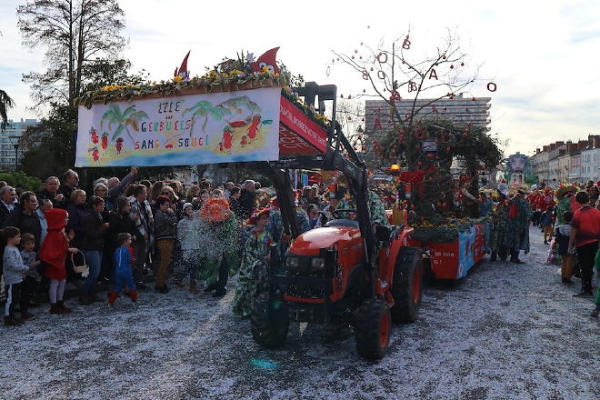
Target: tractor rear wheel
x,y
407,285
372,329
269,327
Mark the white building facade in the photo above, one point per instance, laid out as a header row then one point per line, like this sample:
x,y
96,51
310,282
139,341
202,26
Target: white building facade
x,y
11,143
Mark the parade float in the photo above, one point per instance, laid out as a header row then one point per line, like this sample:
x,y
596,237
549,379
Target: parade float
x,y
245,112
240,111
431,133
453,247
452,243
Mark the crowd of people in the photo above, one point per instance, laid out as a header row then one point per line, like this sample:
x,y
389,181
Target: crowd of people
x,y
131,233
569,221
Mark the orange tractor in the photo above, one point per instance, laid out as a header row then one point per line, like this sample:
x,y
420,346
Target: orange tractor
x,y
349,271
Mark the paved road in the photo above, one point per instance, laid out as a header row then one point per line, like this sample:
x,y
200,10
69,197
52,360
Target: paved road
x,y
504,332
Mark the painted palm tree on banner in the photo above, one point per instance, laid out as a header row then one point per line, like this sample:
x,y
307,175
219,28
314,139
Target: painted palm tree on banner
x,y
126,119
206,109
5,103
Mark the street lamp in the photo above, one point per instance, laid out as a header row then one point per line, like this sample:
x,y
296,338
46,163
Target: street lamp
x,y
16,146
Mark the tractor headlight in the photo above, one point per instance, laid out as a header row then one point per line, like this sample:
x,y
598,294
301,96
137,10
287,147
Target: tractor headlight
x,y
317,264
292,263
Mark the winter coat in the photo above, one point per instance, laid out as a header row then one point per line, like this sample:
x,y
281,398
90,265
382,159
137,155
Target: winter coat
x,y
119,223
76,215
93,232
13,267
26,222
54,249
142,216
165,225
4,212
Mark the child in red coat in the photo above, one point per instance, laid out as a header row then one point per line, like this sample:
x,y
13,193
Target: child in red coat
x,y
53,255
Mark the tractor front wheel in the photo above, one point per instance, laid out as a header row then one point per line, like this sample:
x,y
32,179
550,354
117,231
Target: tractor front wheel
x,y
373,324
407,285
269,327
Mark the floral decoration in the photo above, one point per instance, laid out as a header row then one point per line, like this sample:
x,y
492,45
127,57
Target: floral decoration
x,y
228,75
443,231
215,210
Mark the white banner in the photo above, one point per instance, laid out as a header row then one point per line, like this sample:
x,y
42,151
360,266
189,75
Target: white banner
x,y
189,129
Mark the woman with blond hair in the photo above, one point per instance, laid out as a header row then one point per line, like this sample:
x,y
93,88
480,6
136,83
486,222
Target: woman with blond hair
x,y
155,191
168,192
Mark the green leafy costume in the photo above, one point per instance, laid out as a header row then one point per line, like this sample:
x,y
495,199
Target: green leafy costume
x,y
377,210
500,240
518,224
218,240
254,271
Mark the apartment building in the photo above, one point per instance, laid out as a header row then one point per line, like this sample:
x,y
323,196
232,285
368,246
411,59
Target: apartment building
x,y
11,145
459,110
567,162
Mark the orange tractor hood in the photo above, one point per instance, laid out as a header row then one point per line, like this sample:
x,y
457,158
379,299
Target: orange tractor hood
x,y
311,242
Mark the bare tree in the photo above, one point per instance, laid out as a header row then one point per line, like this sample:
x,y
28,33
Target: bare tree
x,y
75,32
395,69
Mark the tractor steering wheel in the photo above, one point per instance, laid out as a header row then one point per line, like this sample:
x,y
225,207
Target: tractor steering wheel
x,y
343,213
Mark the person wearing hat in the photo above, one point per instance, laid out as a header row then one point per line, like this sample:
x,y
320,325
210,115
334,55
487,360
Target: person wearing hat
x,y
585,231
566,201
335,200
254,271
500,235
519,214
218,244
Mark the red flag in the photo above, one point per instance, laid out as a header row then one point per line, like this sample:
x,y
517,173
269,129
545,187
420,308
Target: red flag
x,y
183,71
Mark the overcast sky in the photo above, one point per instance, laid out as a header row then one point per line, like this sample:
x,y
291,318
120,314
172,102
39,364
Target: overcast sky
x,y
543,56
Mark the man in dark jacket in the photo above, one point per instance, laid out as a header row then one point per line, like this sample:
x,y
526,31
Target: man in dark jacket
x,y
247,199
70,182
8,197
25,218
52,193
